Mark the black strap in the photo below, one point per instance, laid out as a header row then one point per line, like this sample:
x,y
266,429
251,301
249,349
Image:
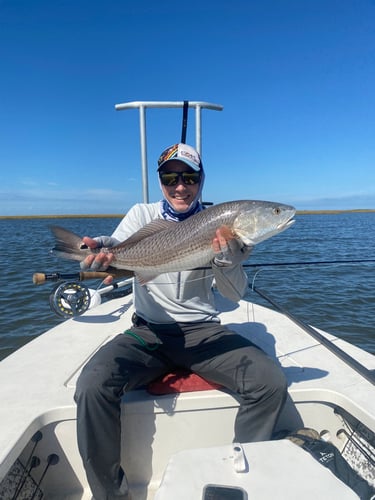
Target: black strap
x,y
184,121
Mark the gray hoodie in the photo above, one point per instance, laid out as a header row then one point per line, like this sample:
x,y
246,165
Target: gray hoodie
x,y
185,296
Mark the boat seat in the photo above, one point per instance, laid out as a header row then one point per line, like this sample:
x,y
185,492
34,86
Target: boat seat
x,y
188,403
178,382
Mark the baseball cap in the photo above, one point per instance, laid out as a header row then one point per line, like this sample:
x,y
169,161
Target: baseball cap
x,y
181,152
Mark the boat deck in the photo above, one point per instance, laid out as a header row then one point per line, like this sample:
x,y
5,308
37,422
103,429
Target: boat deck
x,y
41,379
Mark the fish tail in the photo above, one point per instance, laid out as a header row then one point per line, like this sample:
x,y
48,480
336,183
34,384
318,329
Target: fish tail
x,y
68,245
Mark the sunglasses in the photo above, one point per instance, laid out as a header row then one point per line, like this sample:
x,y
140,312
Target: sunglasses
x,y
172,178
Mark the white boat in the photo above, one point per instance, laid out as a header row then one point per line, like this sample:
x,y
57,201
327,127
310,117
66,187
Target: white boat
x,y
177,444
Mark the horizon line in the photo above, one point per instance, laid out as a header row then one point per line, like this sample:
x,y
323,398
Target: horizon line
x,y
118,216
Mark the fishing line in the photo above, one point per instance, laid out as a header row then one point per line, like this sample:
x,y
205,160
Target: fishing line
x,y
255,277
252,305
309,263
258,271
302,263
343,355
40,278
185,281
259,267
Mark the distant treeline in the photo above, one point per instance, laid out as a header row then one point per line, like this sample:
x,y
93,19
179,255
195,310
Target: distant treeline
x,y
353,211
69,216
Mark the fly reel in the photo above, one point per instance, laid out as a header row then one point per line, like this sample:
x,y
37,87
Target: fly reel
x,y
70,299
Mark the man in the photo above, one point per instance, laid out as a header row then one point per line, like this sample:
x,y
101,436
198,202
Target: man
x,y
176,325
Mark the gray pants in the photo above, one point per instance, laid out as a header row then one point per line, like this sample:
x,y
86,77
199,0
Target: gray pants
x,y
146,352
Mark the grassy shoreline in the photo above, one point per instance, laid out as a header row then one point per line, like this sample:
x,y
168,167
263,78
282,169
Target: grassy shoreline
x,y
350,211
120,216
65,216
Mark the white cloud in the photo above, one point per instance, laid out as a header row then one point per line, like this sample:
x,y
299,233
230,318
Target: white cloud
x,y
71,201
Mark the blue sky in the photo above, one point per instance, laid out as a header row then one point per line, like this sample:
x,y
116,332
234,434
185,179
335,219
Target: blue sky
x,y
296,79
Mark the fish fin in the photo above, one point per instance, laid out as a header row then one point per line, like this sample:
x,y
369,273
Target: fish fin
x,y
68,244
249,242
144,277
154,227
227,232
119,273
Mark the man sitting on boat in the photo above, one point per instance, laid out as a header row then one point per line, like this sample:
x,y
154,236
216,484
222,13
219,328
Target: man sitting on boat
x,y
176,325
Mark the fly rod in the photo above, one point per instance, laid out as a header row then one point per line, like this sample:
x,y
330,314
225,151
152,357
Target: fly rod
x,y
40,278
349,360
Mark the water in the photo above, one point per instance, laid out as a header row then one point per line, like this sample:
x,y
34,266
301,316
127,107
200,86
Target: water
x,y
337,298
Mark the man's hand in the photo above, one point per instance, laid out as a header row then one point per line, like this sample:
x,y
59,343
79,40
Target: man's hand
x,y
223,235
96,262
229,251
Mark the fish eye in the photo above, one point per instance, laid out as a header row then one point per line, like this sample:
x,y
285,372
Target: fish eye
x,y
277,211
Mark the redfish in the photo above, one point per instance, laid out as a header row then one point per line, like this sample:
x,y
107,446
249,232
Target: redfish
x,y
165,246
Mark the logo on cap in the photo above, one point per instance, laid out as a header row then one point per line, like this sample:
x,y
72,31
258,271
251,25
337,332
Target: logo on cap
x,y
182,152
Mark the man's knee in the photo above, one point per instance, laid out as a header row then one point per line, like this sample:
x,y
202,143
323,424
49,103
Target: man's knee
x,y
269,380
89,383
278,379
275,379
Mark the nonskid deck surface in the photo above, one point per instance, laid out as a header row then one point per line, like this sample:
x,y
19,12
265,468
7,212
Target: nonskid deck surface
x,y
314,374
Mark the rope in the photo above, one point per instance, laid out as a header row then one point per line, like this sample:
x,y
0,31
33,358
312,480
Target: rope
x,y
141,341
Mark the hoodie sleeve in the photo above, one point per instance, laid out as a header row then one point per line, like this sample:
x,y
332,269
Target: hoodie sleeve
x,y
231,281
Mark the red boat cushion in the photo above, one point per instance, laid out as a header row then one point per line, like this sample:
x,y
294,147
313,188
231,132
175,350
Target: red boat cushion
x,y
180,382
